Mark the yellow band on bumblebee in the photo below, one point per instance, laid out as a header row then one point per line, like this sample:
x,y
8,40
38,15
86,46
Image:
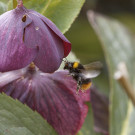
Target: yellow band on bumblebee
x,y
75,65
86,86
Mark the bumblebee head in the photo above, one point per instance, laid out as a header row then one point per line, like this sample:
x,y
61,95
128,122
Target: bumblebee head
x,y
68,65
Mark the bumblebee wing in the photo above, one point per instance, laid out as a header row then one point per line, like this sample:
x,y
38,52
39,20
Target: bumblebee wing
x,y
92,70
91,74
93,66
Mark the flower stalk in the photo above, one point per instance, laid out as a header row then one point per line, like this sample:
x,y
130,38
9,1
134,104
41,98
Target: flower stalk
x,y
122,77
19,3
14,3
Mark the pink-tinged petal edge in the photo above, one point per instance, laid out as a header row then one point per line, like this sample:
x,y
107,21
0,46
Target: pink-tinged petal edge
x,y
52,95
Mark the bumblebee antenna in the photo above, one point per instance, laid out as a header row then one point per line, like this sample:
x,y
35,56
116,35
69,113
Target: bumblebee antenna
x,y
66,59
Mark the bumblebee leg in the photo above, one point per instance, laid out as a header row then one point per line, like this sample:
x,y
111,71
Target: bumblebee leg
x,y
78,85
69,74
72,74
78,88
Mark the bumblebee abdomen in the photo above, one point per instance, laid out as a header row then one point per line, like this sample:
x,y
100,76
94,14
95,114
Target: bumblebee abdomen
x,y
86,86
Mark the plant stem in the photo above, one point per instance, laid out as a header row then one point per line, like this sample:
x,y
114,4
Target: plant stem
x,y
20,2
14,3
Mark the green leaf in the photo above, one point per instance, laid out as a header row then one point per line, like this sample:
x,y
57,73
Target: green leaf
x,y
118,44
61,12
4,1
3,7
18,119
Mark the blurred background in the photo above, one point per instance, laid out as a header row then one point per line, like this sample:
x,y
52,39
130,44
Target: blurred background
x,y
85,43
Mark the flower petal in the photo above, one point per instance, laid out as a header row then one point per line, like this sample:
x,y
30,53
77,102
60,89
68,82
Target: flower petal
x,y
13,53
53,27
51,51
54,97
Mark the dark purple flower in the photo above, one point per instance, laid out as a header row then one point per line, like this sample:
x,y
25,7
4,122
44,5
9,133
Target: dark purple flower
x,y
52,95
27,36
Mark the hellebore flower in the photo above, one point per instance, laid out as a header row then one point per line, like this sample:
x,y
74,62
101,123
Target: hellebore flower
x,y
52,95
27,36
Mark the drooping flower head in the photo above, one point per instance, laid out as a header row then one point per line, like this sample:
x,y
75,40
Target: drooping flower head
x,y
52,95
28,36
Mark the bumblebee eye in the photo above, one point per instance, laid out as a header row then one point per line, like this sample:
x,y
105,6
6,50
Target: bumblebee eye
x,y
70,65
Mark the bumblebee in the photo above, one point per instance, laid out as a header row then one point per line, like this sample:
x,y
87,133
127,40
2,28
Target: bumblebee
x,y
83,73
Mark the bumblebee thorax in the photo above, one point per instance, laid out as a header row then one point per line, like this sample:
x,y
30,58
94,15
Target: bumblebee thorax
x,y
75,65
